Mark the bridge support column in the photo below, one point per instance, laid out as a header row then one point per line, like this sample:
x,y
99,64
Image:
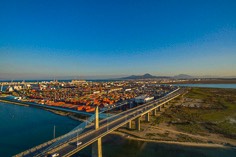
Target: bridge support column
x,y
154,112
96,123
147,118
97,146
129,125
137,123
159,108
163,105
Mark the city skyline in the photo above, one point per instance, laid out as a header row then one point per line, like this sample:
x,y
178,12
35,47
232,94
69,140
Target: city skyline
x,y
109,39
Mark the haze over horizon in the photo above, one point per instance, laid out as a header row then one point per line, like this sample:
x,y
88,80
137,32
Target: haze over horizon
x,y
110,39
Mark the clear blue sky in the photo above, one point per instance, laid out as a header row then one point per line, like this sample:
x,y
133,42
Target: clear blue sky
x,y
52,38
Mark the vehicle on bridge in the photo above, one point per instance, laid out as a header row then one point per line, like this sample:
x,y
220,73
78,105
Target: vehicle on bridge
x,y
78,143
55,155
71,142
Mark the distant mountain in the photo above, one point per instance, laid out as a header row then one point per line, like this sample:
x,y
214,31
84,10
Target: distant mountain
x,y
183,76
145,76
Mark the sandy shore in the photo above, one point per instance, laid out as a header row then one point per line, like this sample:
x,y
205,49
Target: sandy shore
x,y
170,135
61,113
16,103
192,144
76,118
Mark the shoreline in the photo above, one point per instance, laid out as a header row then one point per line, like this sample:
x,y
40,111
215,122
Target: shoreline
x,y
125,135
188,144
137,138
60,113
204,82
14,103
66,114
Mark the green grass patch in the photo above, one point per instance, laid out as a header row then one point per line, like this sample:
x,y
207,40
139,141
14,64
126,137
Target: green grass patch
x,y
229,110
191,128
198,93
220,106
226,128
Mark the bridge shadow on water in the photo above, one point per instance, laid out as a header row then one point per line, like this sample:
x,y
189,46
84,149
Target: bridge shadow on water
x,y
118,146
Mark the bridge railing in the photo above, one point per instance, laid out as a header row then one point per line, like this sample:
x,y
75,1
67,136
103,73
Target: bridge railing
x,y
72,134
36,147
56,141
77,130
117,117
60,140
126,117
85,134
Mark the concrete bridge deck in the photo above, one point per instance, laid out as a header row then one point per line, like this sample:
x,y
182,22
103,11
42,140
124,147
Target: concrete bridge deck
x,y
70,147
108,125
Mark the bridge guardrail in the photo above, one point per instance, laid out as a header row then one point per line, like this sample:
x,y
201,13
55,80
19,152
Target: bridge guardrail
x,y
50,142
101,127
115,116
113,122
82,135
74,151
90,132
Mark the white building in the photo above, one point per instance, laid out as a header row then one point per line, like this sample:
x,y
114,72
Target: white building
x,y
143,99
78,81
17,87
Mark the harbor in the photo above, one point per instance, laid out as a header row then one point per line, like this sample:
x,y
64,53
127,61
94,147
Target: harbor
x,y
81,97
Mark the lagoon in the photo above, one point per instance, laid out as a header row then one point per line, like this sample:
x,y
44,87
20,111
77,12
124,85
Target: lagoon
x,y
233,86
23,127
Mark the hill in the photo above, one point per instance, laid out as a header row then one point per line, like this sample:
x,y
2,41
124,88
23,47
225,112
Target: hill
x,y
183,76
145,76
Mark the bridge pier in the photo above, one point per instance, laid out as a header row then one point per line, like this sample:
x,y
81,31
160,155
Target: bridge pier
x,y
137,123
163,105
96,123
97,146
129,125
147,118
154,112
159,108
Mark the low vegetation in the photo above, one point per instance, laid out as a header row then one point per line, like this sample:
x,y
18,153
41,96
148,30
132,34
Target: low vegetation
x,y
204,110
185,138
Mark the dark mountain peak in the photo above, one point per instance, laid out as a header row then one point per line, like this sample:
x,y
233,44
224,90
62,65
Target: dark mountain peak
x,y
145,76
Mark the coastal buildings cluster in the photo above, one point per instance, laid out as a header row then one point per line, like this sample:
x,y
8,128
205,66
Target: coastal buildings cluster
x,y
85,95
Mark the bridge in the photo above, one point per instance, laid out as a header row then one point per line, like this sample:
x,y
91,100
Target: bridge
x,y
92,134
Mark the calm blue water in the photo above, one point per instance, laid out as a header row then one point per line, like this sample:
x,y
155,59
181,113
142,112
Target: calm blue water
x,y
209,85
24,127
116,146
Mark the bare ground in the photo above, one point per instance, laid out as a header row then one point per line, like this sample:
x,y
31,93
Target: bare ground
x,y
167,133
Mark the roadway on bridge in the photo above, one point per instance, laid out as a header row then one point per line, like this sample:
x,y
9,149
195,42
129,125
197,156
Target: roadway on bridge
x,y
70,148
